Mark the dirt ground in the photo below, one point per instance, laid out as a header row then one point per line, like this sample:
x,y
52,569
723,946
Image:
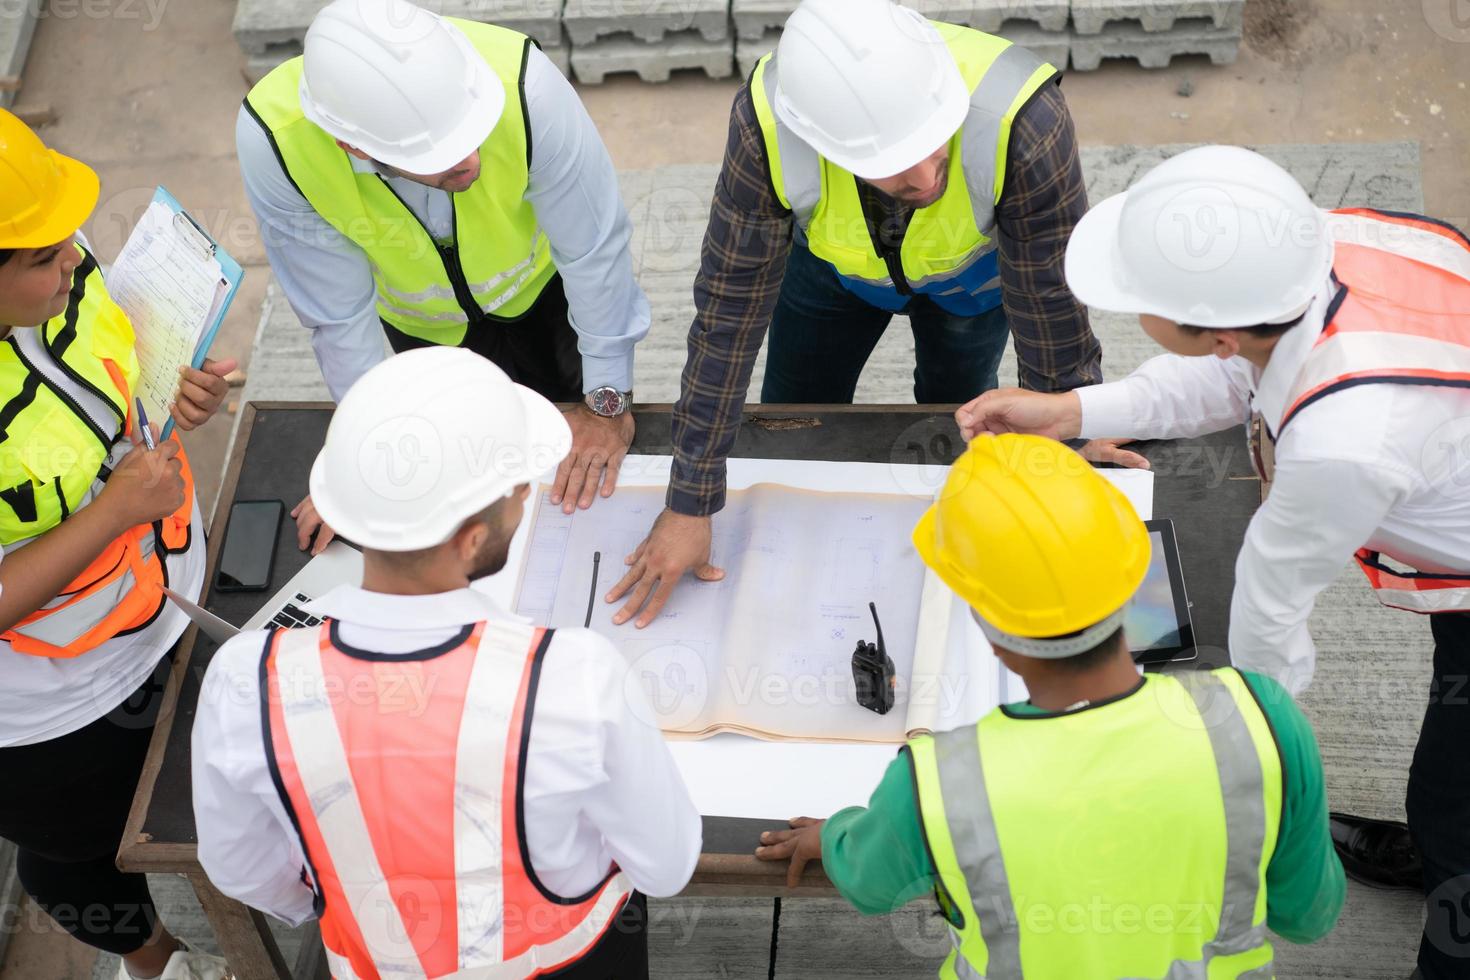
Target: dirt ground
x,y
147,94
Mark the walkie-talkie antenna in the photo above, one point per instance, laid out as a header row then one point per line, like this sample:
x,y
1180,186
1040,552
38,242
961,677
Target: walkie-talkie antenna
x,y
873,608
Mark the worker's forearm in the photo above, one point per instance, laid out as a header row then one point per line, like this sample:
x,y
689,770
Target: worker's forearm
x,y
36,574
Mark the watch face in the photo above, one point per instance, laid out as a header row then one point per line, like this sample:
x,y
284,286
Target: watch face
x,y
607,401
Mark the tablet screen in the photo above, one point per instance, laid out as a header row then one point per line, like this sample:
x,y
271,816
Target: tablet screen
x,y
1157,621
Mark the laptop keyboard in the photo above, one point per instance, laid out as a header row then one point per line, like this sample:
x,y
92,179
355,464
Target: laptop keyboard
x,y
291,616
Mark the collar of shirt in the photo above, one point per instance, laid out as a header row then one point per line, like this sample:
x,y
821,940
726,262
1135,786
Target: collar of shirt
x,y
1274,385
376,610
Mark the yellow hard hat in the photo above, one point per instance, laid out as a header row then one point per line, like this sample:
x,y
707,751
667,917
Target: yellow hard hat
x,y
44,196
1035,540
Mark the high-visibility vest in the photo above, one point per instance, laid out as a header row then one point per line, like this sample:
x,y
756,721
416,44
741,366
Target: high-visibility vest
x,y
403,777
498,261
948,252
1129,839
1401,316
65,408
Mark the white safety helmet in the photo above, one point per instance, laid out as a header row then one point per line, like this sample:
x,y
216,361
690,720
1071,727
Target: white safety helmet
x,y
1215,237
399,83
426,440
869,85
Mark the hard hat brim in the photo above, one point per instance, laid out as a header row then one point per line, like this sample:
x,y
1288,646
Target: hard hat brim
x,y
76,202
912,150
466,139
547,442
1090,269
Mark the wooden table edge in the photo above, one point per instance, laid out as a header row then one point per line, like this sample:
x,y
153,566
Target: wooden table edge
x,y
136,851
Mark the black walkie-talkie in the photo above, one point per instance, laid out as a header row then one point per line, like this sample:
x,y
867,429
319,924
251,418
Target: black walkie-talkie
x,y
873,672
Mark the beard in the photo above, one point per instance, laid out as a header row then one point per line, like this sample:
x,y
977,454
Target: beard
x,y
923,199
491,558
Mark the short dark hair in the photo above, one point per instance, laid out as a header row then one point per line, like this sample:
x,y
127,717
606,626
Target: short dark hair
x,y
1095,657
6,254
1261,331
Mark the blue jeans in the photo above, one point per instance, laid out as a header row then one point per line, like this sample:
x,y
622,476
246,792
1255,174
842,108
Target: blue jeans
x,y
821,336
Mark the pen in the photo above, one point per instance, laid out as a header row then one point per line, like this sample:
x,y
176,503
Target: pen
x,y
143,424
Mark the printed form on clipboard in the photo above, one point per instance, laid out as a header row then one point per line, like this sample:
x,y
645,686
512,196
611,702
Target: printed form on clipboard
x,y
175,284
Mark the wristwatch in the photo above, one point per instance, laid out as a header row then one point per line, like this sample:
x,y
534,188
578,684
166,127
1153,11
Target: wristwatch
x,y
608,401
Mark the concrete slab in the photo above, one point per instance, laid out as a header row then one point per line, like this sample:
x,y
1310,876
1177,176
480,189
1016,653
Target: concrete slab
x,y
647,20
1054,47
747,52
1125,39
754,17
17,27
652,62
1090,16
267,27
989,15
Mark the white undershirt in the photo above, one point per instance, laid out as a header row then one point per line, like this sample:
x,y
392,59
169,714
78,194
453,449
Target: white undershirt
x,y
601,786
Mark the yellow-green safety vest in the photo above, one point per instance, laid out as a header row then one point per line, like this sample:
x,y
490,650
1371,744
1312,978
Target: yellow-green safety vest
x,y
64,415
499,260
948,252
1126,840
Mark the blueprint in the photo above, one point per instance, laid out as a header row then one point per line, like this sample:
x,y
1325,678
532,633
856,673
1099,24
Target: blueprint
x,y
767,650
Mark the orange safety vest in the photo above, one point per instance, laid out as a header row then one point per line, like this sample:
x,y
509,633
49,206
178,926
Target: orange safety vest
x,y
67,386
403,776
1401,316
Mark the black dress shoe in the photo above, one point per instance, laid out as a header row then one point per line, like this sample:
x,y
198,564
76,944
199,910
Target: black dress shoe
x,y
1379,853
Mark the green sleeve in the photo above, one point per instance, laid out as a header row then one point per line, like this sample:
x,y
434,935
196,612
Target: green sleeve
x,y
876,856
1305,887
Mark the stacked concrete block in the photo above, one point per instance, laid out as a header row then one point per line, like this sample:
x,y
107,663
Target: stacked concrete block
x,y
990,15
646,20
272,31
17,26
748,52
754,19
1093,16
1154,49
592,63
1053,47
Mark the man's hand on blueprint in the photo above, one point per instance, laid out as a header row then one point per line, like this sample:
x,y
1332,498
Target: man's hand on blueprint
x,y
598,447
677,544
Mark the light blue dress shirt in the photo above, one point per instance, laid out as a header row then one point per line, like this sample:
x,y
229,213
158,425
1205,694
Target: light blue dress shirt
x,y
573,188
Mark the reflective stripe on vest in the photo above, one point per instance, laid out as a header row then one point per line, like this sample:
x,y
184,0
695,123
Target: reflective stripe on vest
x,y
1401,316
444,890
960,798
62,426
499,261
948,251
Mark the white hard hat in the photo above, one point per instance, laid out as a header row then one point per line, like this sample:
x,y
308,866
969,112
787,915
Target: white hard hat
x,y
1215,237
868,84
426,440
399,83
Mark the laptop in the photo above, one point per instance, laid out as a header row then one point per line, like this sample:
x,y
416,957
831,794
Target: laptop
x,y
338,564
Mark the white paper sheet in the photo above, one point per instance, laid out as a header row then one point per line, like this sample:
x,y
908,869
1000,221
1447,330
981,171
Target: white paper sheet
x,y
737,776
172,289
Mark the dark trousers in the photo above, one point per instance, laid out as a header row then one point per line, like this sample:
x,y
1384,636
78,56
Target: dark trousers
x,y
64,804
622,953
821,336
1439,803
539,350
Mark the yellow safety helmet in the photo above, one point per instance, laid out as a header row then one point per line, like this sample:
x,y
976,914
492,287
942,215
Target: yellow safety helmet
x,y
44,196
1037,542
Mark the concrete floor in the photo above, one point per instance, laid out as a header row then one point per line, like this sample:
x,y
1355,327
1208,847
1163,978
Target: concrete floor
x,y
148,106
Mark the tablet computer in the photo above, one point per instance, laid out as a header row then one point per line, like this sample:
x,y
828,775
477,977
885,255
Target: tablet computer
x,y
1157,623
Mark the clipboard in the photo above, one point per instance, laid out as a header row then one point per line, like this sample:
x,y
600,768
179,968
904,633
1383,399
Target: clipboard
x,y
176,284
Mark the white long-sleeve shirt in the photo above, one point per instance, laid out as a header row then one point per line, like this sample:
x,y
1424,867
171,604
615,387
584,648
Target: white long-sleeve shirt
x,y
573,188
1382,466
600,784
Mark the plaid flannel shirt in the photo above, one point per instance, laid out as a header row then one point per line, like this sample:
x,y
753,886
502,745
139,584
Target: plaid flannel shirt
x,y
743,261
